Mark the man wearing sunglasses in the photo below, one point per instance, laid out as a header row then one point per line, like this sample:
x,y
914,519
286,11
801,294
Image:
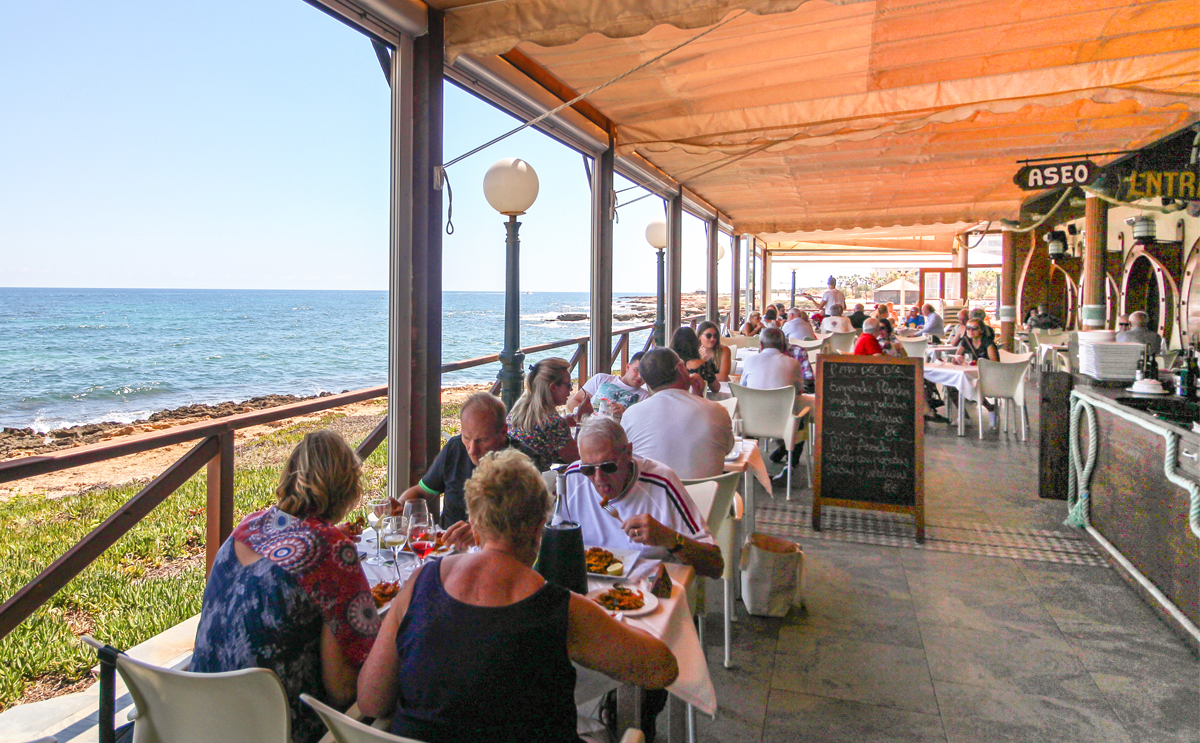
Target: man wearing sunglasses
x,y
655,514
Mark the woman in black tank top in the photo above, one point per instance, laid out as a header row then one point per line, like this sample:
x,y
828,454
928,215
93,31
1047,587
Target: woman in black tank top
x,y
478,647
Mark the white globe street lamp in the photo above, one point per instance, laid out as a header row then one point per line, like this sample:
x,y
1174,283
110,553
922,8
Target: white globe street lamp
x,y
511,187
656,235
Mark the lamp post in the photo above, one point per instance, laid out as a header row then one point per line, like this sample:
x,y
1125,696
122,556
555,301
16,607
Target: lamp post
x,y
656,235
511,187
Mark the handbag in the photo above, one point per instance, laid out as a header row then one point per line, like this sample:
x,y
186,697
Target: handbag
x,y
772,575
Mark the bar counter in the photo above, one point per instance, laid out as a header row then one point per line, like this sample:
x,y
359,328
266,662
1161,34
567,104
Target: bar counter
x,y
1144,477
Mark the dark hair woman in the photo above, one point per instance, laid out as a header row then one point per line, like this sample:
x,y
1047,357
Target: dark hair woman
x,y
686,344
711,349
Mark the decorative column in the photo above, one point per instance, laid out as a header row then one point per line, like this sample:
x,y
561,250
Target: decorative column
x,y
1008,288
1095,310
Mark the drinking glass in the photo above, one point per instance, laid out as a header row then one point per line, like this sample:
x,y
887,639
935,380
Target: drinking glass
x,y
422,534
379,508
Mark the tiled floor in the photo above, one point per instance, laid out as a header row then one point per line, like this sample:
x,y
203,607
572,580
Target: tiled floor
x,y
906,644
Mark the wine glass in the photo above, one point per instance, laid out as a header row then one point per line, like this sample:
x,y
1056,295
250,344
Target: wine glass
x,y
422,534
379,508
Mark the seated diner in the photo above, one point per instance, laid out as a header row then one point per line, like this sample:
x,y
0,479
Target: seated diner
x,y
478,647
610,395
286,592
534,419
703,373
712,353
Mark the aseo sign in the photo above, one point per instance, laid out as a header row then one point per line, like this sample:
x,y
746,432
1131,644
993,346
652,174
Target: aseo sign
x,y
1051,175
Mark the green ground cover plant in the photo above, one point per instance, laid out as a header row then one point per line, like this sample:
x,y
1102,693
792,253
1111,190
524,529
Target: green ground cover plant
x,y
149,581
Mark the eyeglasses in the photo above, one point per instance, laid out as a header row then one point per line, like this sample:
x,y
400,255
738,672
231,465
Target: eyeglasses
x,y
709,334
587,470
570,383
973,327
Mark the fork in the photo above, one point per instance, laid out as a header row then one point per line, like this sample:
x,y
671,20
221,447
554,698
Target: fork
x,y
611,510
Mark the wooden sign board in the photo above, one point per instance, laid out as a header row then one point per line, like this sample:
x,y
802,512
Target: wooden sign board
x,y
870,441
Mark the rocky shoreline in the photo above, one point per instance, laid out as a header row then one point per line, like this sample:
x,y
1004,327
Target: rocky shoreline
x,y
18,442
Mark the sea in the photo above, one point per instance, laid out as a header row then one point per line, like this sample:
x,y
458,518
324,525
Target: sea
x,y
77,356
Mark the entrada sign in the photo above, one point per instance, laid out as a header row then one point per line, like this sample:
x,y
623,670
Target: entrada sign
x,y
1049,175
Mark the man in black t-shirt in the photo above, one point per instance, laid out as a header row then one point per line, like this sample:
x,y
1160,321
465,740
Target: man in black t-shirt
x,y
483,430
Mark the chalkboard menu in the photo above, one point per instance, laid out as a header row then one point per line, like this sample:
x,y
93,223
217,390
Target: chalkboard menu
x,y
870,447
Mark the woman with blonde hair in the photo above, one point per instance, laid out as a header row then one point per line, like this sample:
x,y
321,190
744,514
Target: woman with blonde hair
x,y
486,651
286,591
534,419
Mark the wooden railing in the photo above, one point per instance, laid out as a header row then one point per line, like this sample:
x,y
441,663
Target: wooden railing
x,y
213,451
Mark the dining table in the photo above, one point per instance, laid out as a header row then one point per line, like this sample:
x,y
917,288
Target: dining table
x,y
670,622
962,377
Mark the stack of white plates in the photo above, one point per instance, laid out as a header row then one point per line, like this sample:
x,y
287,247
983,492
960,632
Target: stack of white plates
x,y
1109,361
1096,336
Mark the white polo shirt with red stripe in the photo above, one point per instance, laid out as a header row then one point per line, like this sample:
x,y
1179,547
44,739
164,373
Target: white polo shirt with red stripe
x,y
656,491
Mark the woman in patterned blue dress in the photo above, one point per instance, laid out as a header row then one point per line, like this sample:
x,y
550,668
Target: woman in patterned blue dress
x,y
286,591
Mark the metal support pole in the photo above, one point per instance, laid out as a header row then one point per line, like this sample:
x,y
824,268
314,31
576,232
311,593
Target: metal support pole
x,y
425,335
766,279
1008,289
660,328
751,274
674,264
711,311
735,295
793,306
602,262
511,358
400,279
1095,310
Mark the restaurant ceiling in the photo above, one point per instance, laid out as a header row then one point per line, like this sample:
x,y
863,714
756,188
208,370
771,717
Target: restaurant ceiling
x,y
801,120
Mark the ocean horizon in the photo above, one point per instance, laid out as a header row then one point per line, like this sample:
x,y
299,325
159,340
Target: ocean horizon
x,y
79,356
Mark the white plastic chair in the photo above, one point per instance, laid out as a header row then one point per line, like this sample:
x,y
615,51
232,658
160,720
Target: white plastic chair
x,y
767,414
348,730
246,706
730,405
815,346
841,343
915,348
1004,382
1008,357
717,505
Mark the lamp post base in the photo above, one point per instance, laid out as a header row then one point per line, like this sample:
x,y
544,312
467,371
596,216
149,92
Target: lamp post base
x,y
511,376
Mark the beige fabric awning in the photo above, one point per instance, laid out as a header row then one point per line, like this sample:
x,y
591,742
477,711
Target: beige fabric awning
x,y
800,120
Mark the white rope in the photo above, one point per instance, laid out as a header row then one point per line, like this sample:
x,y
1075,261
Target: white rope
x,y
1049,214
1143,207
1172,449
1081,478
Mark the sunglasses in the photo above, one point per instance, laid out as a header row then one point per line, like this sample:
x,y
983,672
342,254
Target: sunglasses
x,y
973,327
608,468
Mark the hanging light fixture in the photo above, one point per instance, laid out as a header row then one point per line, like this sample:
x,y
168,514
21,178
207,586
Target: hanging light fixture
x,y
1057,242
1143,229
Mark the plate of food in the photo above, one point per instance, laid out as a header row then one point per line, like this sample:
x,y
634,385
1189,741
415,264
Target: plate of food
x,y
606,563
384,592
630,601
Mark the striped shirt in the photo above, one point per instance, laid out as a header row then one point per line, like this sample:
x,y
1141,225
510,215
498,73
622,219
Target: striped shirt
x,y
656,491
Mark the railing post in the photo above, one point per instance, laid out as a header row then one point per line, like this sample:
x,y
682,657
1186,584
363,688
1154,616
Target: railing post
x,y
220,498
583,363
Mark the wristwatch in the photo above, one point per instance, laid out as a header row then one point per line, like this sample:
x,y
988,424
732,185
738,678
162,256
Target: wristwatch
x,y
678,543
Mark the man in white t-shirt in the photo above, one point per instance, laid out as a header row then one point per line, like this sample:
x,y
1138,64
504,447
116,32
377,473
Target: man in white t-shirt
x,y
830,297
798,326
687,433
771,368
611,395
834,322
655,514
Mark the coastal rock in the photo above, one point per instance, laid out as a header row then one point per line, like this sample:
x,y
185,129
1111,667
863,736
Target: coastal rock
x,y
16,442
571,317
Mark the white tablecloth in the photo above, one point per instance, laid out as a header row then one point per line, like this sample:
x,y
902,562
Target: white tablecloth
x,y
671,623
965,379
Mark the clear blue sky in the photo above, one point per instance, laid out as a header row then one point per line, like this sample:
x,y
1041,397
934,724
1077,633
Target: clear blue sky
x,y
244,145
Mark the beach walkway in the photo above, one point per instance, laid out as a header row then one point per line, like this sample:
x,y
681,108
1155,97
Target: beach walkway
x,y
1004,626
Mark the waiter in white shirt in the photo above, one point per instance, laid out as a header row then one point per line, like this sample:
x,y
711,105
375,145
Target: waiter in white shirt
x,y
830,297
